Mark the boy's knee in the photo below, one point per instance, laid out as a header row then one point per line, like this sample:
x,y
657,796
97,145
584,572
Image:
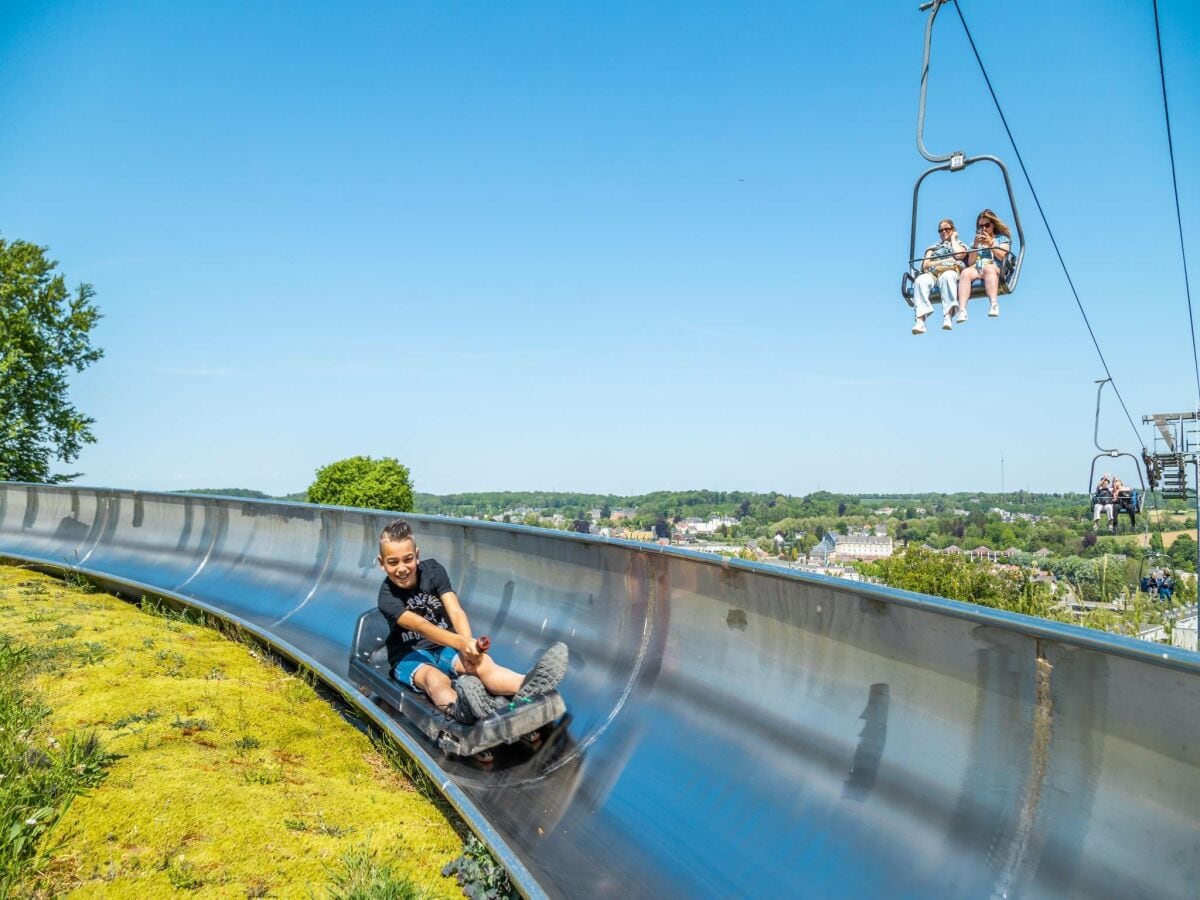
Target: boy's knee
x,y
429,678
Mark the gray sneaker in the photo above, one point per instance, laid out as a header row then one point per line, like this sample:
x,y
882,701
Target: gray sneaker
x,y
546,673
458,711
474,698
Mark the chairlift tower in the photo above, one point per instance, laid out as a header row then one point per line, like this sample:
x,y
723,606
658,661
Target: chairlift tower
x,y
1176,447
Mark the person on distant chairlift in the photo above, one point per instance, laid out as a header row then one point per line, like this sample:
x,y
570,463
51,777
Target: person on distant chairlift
x,y
940,266
993,242
1123,497
1102,502
1166,588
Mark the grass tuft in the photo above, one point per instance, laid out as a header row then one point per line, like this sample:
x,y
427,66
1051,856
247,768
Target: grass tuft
x,y
39,774
361,876
182,874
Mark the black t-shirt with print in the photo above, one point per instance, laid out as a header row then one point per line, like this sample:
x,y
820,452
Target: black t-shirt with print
x,y
425,599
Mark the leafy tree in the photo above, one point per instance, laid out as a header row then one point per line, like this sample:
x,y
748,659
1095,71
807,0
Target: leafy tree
x,y
1183,552
45,331
954,576
362,481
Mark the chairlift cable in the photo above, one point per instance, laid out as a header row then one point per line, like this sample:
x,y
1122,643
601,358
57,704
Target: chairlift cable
x,y
1037,202
1162,74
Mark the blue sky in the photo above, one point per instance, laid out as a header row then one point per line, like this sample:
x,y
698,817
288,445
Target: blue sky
x,y
611,247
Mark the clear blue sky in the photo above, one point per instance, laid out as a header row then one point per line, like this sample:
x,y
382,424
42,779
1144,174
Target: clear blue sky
x,y
610,247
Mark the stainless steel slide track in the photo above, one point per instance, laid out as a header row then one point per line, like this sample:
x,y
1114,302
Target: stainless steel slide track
x,y
735,730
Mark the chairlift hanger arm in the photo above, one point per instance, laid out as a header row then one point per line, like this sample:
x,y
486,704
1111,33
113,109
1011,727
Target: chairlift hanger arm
x,y
1100,383
933,6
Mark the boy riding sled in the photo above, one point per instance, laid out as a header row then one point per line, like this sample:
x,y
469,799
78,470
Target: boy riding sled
x,y
431,648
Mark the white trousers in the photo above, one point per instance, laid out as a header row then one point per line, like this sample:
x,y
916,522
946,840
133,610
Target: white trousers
x,y
947,285
1098,508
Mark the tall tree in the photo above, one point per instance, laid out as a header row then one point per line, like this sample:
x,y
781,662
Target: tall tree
x,y
45,332
1183,552
365,482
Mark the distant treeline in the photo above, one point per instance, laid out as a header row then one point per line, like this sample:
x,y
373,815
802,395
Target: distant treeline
x,y
247,493
230,492
746,504
706,504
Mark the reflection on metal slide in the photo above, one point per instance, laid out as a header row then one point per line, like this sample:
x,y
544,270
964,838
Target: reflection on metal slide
x,y
734,730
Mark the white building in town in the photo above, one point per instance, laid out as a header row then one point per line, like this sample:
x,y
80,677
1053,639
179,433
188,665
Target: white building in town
x,y
860,545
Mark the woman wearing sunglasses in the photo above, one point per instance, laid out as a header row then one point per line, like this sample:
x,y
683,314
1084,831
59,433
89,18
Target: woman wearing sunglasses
x,y
993,242
940,267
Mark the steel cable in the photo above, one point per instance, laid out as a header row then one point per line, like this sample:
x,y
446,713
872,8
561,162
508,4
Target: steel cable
x,y
1162,74
1046,222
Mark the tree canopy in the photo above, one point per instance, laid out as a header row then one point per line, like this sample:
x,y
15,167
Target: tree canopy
x,y
959,578
362,481
45,332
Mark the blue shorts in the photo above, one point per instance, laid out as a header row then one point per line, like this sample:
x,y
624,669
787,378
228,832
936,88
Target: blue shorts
x,y
441,658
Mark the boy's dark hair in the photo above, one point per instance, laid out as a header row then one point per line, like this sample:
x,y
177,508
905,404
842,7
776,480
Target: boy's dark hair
x,y
397,531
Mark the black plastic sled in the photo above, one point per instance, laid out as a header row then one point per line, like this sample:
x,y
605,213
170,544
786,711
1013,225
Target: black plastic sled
x,y
370,672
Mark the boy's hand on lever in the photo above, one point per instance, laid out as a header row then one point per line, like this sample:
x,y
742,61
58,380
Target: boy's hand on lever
x,y
472,650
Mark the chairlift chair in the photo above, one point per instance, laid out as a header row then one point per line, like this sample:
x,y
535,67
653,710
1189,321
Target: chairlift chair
x,y
1137,499
1010,267
1137,496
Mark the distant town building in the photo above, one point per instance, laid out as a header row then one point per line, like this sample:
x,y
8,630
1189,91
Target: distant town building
x,y
700,526
631,535
860,545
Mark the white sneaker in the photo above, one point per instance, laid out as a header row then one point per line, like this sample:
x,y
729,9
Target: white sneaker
x,y
947,325
994,311
962,316
919,326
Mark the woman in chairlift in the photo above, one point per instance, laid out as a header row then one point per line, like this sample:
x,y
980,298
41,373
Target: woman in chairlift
x,y
1123,498
939,268
993,242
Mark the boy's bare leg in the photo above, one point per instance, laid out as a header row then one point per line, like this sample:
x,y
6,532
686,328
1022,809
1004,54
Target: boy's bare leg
x,y
495,677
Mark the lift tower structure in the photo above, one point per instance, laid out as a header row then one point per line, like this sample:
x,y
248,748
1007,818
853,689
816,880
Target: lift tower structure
x,y
1176,447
